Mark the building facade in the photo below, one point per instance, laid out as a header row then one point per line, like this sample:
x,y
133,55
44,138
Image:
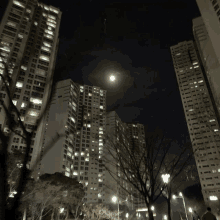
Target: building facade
x,y
28,46
200,112
208,56
78,113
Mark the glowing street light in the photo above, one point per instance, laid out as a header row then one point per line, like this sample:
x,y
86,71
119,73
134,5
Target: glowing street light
x,y
114,199
165,217
166,178
190,209
152,208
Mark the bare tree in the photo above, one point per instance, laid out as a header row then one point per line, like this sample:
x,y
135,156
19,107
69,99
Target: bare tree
x,y
16,126
141,166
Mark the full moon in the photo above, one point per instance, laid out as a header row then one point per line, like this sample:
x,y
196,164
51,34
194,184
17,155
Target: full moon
x,y
112,78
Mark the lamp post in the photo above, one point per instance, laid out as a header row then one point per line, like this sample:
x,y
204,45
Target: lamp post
x,y
166,179
190,210
181,197
115,199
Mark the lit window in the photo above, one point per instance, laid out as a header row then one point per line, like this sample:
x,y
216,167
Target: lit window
x,y
55,11
75,173
5,48
11,24
33,113
178,54
36,101
89,125
52,25
49,32
100,180
23,67
67,174
19,84
87,159
215,130
196,66
69,154
35,23
28,10
81,87
20,35
90,94
70,149
219,170
200,81
82,153
48,36
76,154
191,110
214,171
100,128
211,120
101,106
99,195
18,3
45,15
23,105
14,102
51,20
44,58
46,44
46,8
45,48
51,16
73,119
100,132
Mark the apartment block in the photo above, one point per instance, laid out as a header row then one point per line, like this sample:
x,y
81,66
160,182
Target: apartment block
x,y
208,56
201,115
28,45
77,112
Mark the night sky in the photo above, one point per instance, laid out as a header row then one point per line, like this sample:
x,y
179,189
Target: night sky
x,y
136,47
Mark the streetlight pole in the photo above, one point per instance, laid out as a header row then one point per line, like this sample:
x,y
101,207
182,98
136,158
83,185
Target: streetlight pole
x,y
181,195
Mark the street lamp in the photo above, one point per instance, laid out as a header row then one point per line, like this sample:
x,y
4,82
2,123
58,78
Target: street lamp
x,y
190,210
166,178
127,215
165,217
115,199
181,197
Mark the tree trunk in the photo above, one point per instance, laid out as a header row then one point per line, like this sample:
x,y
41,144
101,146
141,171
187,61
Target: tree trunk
x,y
150,213
169,209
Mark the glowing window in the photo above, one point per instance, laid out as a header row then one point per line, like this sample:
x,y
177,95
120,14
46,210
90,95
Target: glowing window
x,y
50,24
51,16
76,154
51,20
49,32
55,11
28,10
45,48
36,101
69,154
90,94
19,84
45,15
11,24
5,48
14,102
42,57
18,3
33,113
73,119
75,173
20,35
23,67
48,36
67,174
101,107
35,23
89,125
46,44
23,105
46,8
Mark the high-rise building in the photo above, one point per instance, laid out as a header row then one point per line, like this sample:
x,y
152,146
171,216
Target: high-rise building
x,y
78,112
201,116
28,45
208,57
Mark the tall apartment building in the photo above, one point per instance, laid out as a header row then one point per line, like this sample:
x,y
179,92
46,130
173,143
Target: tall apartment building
x,y
208,57
132,135
200,115
78,112
28,44
118,132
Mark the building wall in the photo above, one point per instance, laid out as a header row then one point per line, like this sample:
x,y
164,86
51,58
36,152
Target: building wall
x,y
208,56
200,115
28,42
78,111
210,12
